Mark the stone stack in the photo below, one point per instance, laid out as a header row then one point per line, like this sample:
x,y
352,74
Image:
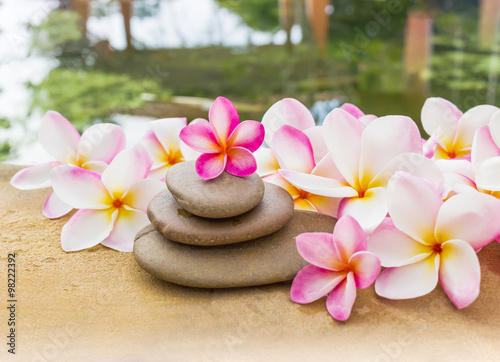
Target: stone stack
x,y
226,232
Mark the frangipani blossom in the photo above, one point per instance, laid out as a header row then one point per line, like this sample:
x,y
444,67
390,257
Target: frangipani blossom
x,y
427,240
450,129
339,265
113,207
163,143
225,143
357,113
294,151
366,156
94,150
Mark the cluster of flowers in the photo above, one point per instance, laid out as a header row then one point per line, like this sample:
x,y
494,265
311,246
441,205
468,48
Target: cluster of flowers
x,y
421,209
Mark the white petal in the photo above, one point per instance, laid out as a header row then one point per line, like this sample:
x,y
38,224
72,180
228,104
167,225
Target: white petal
x,y
128,166
488,174
59,137
87,228
327,168
34,177
101,142
127,225
167,131
384,139
267,164
318,144
469,123
369,210
413,205
495,127
472,217
140,194
440,114
318,185
409,281
80,188
54,207
483,147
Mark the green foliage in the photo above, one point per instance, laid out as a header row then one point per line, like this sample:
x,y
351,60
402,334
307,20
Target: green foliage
x,y
56,32
258,14
86,97
4,123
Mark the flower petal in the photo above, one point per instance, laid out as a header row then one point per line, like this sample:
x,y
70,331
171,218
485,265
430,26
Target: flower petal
x,y
318,185
167,131
127,225
58,136
369,210
472,217
140,194
469,123
223,118
267,164
459,273
201,138
318,249
34,177
54,207
287,111
87,228
394,248
159,173
325,205
440,114
303,204
101,142
240,162
128,166
95,166
494,126
366,120
315,135
366,268
483,147
327,168
348,238
339,303
413,205
352,110
383,140
248,134
409,281
154,147
278,180
210,165
414,164
311,283
342,133
80,188
488,174
293,149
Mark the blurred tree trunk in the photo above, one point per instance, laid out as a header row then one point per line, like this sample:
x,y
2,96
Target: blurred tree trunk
x,y
316,11
287,19
126,9
489,14
82,7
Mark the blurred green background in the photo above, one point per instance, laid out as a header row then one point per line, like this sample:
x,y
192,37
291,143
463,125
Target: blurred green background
x,y
132,60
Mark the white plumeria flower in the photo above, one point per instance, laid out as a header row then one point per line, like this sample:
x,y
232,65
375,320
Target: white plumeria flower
x,y
427,240
164,145
113,207
93,151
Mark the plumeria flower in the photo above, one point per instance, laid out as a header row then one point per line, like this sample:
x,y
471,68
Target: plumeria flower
x,y
427,240
354,111
225,143
451,130
163,143
366,156
94,150
112,207
339,265
294,151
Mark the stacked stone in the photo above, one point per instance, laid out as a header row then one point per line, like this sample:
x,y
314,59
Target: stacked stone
x,y
226,232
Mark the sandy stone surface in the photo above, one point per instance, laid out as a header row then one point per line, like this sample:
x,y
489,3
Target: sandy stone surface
x,y
99,305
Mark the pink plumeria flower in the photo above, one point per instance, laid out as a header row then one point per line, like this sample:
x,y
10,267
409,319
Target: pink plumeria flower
x,y
354,111
366,156
292,150
428,240
225,143
94,150
163,143
451,130
339,265
112,207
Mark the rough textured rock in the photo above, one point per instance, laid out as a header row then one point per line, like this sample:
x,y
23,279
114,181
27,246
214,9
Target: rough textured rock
x,y
269,259
271,214
224,196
